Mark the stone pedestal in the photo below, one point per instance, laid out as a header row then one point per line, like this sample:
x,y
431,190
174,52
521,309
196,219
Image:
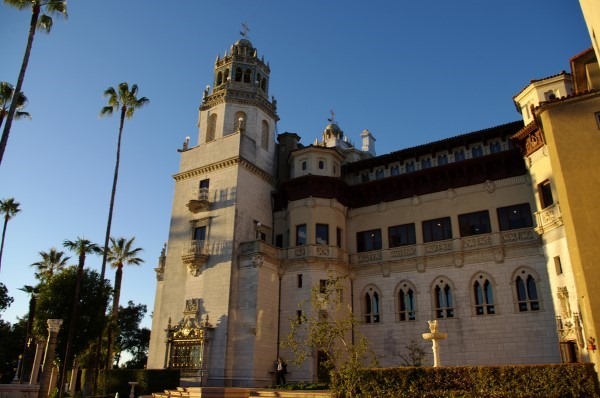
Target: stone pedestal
x,y
47,367
434,336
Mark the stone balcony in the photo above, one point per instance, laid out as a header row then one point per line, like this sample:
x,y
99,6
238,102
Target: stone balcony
x,y
256,250
447,247
199,201
196,254
548,218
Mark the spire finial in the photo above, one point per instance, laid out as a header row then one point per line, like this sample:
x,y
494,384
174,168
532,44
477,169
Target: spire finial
x,y
245,30
332,119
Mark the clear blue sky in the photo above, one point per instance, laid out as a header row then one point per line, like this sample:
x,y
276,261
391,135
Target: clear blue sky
x,y
410,72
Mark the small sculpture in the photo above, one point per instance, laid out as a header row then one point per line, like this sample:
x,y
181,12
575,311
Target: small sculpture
x,y
433,326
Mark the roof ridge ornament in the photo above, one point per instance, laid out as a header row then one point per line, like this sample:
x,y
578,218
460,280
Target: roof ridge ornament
x,y
245,30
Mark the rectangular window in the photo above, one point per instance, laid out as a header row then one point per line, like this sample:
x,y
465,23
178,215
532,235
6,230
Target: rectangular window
x,y
338,237
545,191
425,163
442,159
200,233
402,235
395,170
368,240
299,316
279,240
515,217
474,223
379,174
301,235
558,265
410,167
203,193
322,234
299,281
459,155
437,229
323,286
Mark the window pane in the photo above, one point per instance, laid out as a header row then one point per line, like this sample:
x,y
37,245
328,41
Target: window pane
x,y
402,235
200,233
322,237
474,223
514,217
438,229
301,235
368,240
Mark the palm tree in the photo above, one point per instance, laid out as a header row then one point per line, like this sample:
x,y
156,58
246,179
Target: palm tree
x,y
51,261
127,101
9,208
32,291
6,97
119,254
40,20
81,247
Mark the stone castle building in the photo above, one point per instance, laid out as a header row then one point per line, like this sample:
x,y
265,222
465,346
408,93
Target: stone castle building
x,y
467,230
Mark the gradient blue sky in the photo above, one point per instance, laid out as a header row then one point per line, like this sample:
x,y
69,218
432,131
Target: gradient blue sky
x,y
410,72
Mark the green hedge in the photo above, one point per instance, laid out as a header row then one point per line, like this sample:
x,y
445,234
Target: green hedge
x,y
518,381
117,380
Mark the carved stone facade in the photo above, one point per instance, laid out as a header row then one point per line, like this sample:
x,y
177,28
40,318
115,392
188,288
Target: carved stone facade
x,y
445,231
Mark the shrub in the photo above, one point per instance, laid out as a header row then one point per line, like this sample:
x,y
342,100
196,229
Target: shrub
x,y
520,381
153,380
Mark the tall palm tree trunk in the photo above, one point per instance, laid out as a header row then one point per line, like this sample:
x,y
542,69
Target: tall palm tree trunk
x,y
13,106
112,195
6,218
107,237
113,325
72,324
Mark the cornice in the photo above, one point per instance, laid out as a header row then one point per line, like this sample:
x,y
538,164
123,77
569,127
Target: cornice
x,y
231,162
251,167
206,169
240,97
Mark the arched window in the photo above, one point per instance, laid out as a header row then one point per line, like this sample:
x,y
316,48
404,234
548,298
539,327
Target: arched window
x,y
247,76
263,84
219,78
211,128
459,155
304,165
406,304
321,165
395,170
442,159
226,76
483,295
238,74
443,299
372,314
526,290
239,122
477,151
264,136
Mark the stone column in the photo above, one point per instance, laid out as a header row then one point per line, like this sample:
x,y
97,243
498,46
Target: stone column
x,y
37,361
53,327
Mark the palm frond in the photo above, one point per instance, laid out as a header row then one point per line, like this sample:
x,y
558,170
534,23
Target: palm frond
x,y
45,23
106,111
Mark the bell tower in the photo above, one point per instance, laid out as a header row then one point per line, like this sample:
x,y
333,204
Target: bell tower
x,y
239,101
222,201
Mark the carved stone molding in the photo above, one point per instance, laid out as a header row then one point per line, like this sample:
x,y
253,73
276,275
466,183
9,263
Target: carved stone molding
x,y
194,262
